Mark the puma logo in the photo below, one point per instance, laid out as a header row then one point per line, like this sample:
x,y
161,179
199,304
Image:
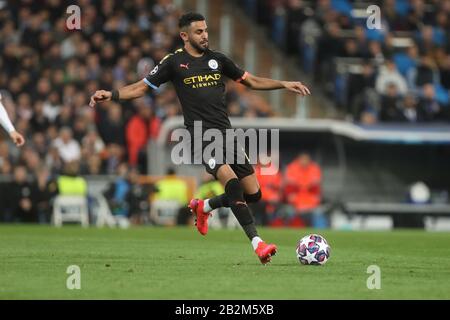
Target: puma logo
x,y
184,65
243,203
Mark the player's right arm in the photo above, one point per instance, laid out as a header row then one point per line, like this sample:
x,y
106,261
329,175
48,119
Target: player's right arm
x,y
132,91
159,75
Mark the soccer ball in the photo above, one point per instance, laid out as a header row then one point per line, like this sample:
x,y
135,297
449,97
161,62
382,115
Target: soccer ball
x,y
313,249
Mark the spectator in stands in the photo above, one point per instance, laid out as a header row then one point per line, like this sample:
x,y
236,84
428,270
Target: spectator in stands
x,y
255,104
358,83
139,130
407,61
361,40
46,189
114,155
53,160
172,188
92,165
30,158
427,40
425,72
112,125
40,145
22,197
117,192
330,45
5,167
444,69
39,122
68,148
271,193
71,182
65,117
429,104
392,15
417,15
139,197
375,52
302,189
351,49
92,143
80,129
389,75
410,111
390,104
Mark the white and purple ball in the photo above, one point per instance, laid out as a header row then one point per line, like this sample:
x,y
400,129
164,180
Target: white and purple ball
x,y
313,249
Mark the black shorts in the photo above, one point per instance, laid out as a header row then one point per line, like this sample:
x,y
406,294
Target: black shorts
x,y
231,153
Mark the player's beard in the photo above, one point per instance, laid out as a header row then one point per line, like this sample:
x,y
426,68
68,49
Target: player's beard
x,y
199,47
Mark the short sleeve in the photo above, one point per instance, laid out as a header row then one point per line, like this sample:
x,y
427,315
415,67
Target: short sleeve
x,y
160,74
231,70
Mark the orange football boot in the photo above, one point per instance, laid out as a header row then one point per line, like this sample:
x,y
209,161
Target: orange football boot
x,y
201,217
265,251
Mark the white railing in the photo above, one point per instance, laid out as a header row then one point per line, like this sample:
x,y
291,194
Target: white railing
x,y
405,133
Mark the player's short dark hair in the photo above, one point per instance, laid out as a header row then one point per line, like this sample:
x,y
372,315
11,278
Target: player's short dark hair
x,y
188,18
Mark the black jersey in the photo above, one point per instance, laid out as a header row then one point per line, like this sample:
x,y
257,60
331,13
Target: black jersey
x,y
199,84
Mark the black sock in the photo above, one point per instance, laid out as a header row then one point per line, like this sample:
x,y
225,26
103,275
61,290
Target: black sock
x,y
219,201
222,200
250,230
235,194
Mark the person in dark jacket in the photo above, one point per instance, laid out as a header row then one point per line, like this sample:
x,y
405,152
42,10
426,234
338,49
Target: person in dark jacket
x,y
22,197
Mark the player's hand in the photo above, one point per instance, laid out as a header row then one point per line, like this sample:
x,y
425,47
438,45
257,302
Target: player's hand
x,y
297,87
17,138
100,96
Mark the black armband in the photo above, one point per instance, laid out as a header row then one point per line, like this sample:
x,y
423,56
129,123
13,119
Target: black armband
x,y
115,95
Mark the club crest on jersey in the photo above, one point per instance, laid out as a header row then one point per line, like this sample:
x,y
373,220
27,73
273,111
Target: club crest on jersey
x,y
155,70
213,64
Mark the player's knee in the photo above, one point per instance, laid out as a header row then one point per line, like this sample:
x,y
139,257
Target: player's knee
x,y
235,194
234,191
251,198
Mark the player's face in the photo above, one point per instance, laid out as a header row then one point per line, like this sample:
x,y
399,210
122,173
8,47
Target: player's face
x,y
198,35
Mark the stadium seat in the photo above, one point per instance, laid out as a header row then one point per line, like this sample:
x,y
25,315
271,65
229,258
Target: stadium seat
x,y
223,219
70,208
164,212
101,212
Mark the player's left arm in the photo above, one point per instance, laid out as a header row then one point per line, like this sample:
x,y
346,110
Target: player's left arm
x,y
258,83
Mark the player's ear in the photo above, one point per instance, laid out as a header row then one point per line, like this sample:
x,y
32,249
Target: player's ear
x,y
184,35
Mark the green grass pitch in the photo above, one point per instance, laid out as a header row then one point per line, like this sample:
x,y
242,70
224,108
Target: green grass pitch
x,y
178,263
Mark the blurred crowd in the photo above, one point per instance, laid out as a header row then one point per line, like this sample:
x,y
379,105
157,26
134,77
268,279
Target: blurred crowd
x,y
48,72
398,73
290,197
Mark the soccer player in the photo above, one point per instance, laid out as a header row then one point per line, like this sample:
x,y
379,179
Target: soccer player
x,y
196,73
5,122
